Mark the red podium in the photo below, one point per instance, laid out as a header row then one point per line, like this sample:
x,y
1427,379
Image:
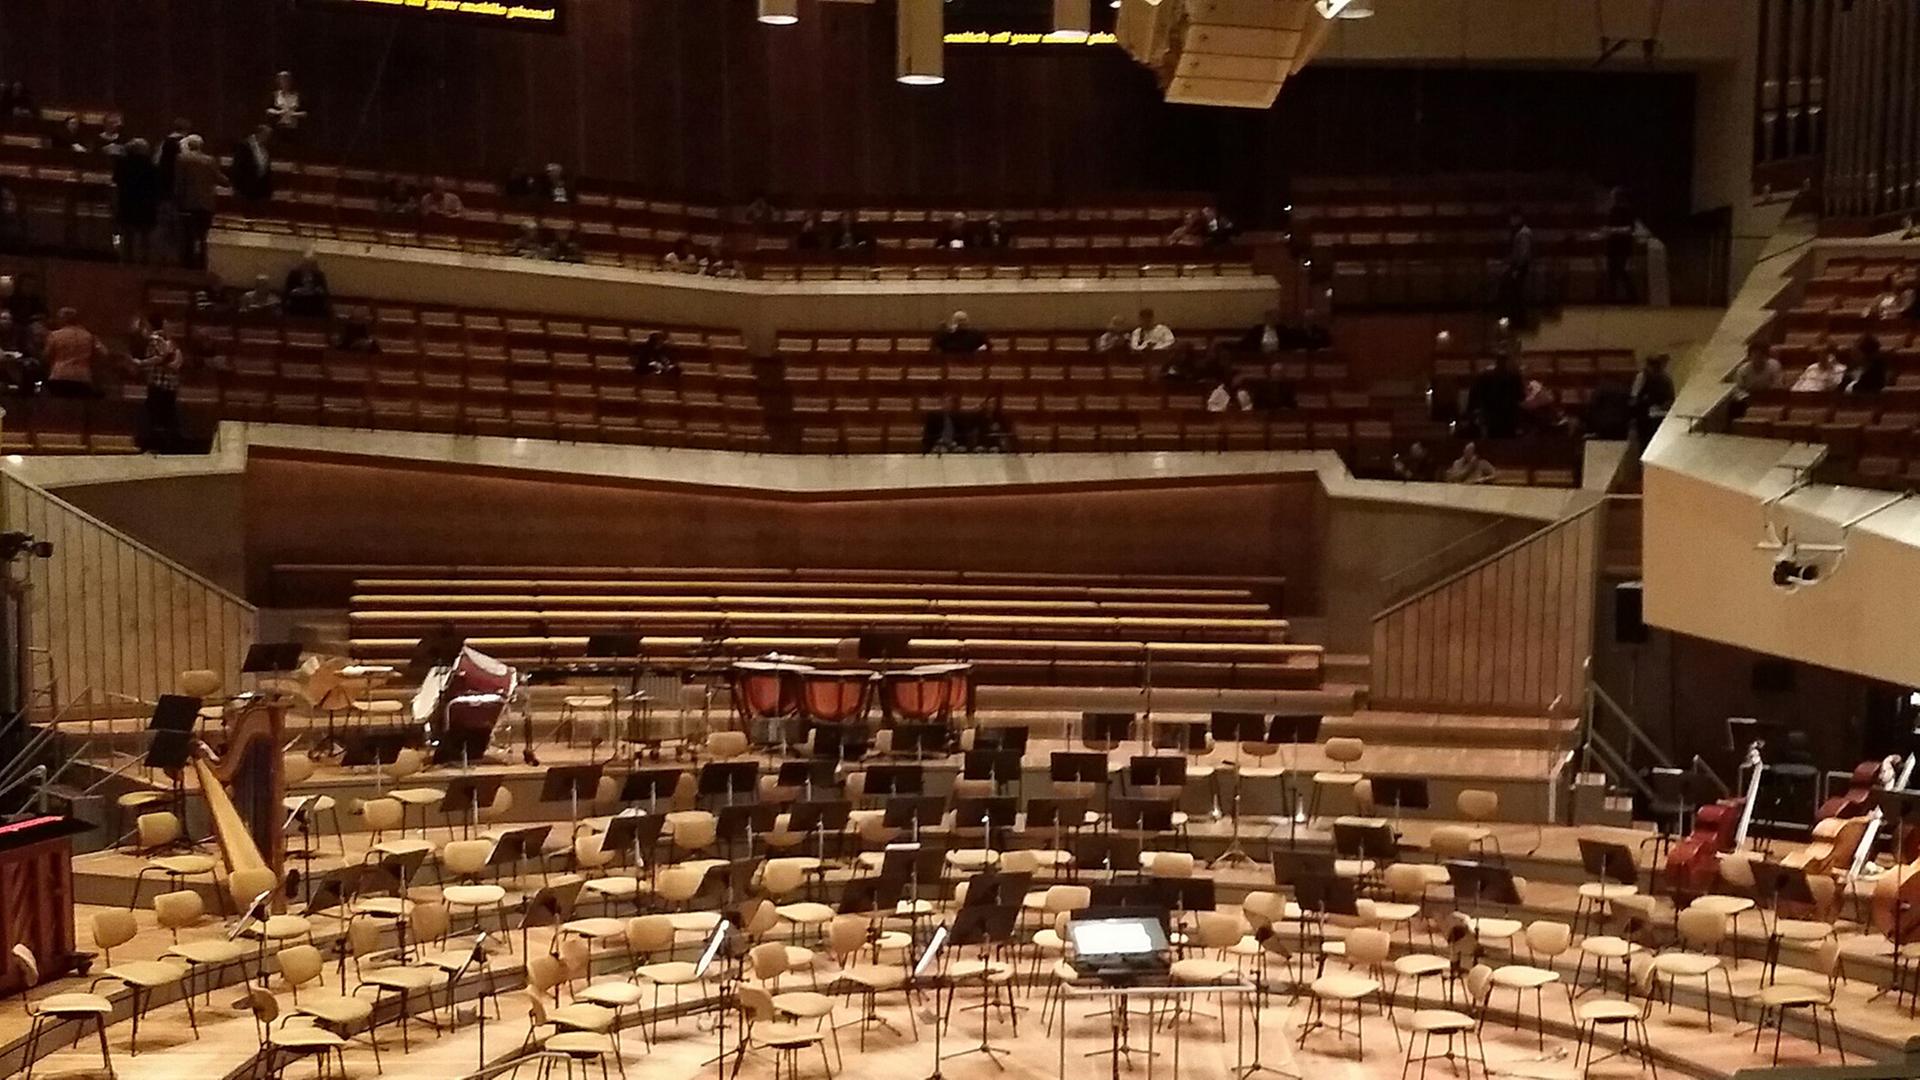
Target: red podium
x,y
36,895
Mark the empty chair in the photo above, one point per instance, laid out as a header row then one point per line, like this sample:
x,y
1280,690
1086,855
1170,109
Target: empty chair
x,y
847,939
176,911
1478,806
650,936
462,861
58,1008
1631,1017
141,977
572,1045
303,967
1545,939
1776,1000
282,1043
159,831
1701,932
1366,949
1453,1024
1343,751
763,1030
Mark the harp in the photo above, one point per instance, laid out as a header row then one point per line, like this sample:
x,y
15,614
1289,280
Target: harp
x,y
245,790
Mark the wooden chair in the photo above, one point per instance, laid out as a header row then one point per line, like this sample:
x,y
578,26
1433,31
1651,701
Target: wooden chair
x,y
141,977
302,967
57,1008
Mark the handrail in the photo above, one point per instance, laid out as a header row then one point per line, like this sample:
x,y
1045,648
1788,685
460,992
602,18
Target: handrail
x,y
67,506
1502,553
1598,693
1388,582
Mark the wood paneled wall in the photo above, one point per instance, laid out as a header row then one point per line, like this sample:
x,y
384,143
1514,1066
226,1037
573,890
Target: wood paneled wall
x,y
1509,635
694,97
110,616
1255,526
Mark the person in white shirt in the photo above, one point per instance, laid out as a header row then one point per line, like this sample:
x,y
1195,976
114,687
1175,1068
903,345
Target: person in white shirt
x,y
1821,376
285,110
1220,400
1150,335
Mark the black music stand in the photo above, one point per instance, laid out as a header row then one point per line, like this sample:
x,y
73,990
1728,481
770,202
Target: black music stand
x,y
1067,816
914,813
986,814
920,741
552,905
468,795
1131,824
651,785
808,775
987,927
1292,867
1476,883
1374,840
1321,895
1131,897
272,658
1001,737
169,747
1003,767
1079,767
885,780
729,778
1105,731
570,784
741,822
633,830
1157,770
518,844
1604,862
1183,736
1402,793
840,742
1185,894
820,818
375,746
1293,732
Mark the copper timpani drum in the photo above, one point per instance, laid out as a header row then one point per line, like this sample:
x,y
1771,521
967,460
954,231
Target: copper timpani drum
x,y
462,704
836,697
764,694
932,692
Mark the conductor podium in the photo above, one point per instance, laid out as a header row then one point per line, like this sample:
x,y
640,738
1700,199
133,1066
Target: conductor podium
x,y
36,894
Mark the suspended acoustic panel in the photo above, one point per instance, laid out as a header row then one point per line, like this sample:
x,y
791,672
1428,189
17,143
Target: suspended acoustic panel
x,y
1236,53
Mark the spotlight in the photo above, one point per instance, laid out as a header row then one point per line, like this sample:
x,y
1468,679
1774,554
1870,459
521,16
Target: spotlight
x,y
1791,574
779,12
15,544
1344,9
917,57
1072,20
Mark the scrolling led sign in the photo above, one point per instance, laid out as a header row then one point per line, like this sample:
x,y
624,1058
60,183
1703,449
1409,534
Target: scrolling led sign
x,y
528,14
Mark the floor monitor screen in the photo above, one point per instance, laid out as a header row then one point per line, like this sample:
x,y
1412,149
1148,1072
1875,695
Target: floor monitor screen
x,y
1117,937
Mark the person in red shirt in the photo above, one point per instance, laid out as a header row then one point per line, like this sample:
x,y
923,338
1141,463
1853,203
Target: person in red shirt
x,y
71,352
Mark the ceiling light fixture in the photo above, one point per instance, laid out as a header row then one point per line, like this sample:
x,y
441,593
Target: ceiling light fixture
x,y
919,28
779,12
1072,21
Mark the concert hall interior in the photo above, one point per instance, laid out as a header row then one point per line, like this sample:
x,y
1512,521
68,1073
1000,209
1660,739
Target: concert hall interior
x,y
867,539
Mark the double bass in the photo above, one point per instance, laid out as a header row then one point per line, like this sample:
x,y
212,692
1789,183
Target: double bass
x,y
1693,865
1843,820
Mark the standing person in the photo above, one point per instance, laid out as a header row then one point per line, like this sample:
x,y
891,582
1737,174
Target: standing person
x,y
556,185
1494,398
252,170
160,363
284,110
136,201
1516,274
1621,222
959,336
304,294
70,354
196,189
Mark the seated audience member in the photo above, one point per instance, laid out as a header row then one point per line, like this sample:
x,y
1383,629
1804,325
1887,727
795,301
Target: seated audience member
x,y
991,234
136,201
530,242
1220,398
1538,409
16,102
355,336
556,186
521,185
995,431
1895,302
252,170
259,300
1215,228
1494,397
956,234
812,234
1652,395
1869,373
1759,372
13,222
651,356
1821,376
73,136
1150,334
1415,464
566,245
283,109
399,197
1470,467
1189,232
959,336
112,137
212,295
71,351
441,201
1270,335
305,294
1114,339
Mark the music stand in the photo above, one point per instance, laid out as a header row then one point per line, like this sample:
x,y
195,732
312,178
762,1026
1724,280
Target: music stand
x,y
1292,867
1185,894
1293,732
550,906
1237,729
1402,793
808,774
1479,883
986,814
272,658
378,746
913,812
839,742
987,926
517,844
1000,766
1319,896
1078,767
468,795
650,784
1606,861
440,647
1105,730
465,744
1184,736
896,780
1157,770
170,747
738,822
571,783
922,740
729,778
1373,841
633,830
1001,737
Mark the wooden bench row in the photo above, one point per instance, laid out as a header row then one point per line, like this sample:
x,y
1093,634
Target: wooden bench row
x,y
841,604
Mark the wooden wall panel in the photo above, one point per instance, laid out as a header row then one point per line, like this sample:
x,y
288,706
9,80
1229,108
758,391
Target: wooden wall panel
x,y
695,97
1263,526
1508,635
113,617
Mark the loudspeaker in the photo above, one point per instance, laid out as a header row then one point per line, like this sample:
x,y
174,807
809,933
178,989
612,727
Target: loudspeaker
x,y
1628,626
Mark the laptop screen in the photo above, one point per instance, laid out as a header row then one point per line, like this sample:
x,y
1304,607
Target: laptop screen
x,y
1131,936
